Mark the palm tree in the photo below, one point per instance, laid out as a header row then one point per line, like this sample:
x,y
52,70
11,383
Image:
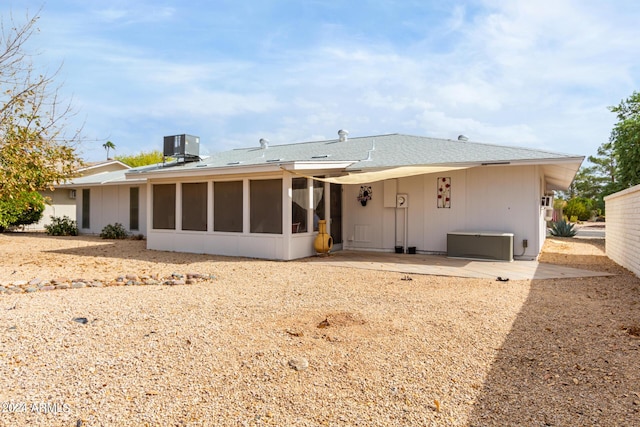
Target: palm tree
x,y
109,146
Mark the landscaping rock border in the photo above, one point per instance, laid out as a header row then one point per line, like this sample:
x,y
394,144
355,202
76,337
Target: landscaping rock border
x,y
60,283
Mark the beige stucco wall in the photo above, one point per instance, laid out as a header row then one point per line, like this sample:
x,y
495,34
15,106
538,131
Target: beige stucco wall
x,y
483,199
623,228
59,204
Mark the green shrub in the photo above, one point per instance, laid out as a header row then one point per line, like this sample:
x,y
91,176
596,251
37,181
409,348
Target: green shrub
x,y
64,226
579,207
562,229
114,231
23,209
142,159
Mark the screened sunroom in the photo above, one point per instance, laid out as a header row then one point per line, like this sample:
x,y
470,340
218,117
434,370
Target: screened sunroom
x,y
269,215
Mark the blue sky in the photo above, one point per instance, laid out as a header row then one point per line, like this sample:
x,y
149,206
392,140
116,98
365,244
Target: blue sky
x,y
536,74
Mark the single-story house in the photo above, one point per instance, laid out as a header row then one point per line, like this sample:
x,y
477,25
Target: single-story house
x,y
109,197
376,193
62,200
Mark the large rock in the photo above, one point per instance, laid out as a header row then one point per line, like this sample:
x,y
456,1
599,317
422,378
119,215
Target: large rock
x,y
299,363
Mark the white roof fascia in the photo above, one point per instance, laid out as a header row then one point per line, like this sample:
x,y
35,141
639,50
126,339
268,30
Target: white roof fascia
x,y
311,165
521,162
240,169
97,184
205,171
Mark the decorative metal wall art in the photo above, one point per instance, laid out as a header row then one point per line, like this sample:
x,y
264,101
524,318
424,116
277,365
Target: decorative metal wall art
x,y
365,194
444,192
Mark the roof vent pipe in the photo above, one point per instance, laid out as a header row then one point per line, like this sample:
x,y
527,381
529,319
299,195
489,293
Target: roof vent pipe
x,y
264,143
342,133
463,138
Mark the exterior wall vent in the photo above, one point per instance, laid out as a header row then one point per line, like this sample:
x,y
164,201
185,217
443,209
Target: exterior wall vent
x,y
342,135
185,147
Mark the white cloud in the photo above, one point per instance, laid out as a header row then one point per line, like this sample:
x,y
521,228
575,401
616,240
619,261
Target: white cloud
x,y
129,13
203,104
457,19
478,94
438,123
516,72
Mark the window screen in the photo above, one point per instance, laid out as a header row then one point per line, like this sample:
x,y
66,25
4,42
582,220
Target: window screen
x,y
265,198
299,205
134,208
194,206
318,203
164,206
227,206
86,208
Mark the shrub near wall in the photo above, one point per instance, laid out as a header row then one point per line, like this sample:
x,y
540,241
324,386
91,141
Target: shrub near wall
x,y
623,228
64,226
578,207
114,231
23,209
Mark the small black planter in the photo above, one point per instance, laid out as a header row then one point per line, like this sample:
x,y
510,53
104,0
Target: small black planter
x,y
399,250
411,250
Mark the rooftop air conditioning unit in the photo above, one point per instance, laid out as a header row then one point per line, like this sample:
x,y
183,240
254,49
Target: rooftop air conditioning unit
x,y
183,146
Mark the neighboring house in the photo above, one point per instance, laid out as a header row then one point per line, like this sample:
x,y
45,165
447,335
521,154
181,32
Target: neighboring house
x,y
93,168
62,200
110,197
265,201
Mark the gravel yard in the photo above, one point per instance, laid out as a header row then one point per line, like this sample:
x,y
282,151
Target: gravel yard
x,y
298,344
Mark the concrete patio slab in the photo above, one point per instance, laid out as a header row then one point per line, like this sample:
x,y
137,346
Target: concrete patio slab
x,y
439,265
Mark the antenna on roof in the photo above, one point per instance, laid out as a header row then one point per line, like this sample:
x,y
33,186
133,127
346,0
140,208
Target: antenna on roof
x,y
463,138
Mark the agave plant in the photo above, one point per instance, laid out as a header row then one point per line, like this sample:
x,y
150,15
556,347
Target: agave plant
x,y
562,229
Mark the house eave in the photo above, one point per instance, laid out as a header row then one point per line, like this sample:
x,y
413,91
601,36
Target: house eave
x,y
240,169
559,172
101,183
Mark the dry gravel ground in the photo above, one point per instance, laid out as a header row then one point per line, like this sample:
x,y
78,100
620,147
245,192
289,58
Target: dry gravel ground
x,y
432,351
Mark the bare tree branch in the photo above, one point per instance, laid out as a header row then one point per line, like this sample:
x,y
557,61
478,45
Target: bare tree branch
x,y
35,152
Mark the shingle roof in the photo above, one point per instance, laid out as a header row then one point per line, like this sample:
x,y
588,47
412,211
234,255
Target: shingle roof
x,y
374,154
381,151
109,178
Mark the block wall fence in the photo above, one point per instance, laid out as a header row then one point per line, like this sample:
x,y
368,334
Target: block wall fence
x,y
623,228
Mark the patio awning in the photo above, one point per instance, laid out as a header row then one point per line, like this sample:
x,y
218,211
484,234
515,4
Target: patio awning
x,y
368,177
